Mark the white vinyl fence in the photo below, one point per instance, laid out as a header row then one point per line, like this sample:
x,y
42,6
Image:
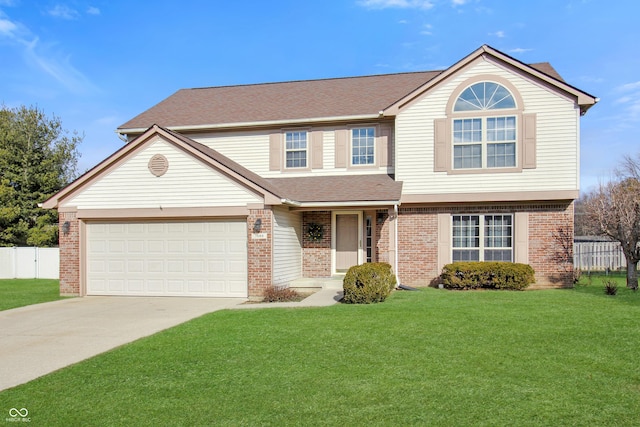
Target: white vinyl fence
x,y
29,263
598,256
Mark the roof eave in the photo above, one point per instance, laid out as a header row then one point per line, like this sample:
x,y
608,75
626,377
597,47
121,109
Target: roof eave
x,y
264,123
583,99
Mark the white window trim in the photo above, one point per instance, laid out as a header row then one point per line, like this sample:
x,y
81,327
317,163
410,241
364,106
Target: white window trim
x,y
481,248
518,112
375,148
484,141
307,150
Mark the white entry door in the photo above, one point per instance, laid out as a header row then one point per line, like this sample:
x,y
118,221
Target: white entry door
x,y
172,258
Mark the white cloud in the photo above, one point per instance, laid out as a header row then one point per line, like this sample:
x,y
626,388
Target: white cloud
x,y
402,4
426,30
64,12
42,58
7,28
455,3
519,50
629,101
93,11
57,67
499,34
629,86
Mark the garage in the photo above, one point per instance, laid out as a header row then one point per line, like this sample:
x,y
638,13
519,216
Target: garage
x,y
167,258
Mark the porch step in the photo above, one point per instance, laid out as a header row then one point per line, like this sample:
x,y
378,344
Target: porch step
x,y
334,282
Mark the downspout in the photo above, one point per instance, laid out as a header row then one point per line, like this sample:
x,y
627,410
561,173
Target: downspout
x,y
395,231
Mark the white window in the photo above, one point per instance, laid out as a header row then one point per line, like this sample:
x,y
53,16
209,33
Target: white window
x,y
484,140
363,146
296,149
482,238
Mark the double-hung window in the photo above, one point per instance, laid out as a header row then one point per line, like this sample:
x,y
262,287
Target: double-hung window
x,y
483,237
363,146
485,137
296,149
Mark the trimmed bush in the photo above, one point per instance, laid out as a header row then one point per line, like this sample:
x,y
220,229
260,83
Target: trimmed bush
x,y
487,275
368,283
280,295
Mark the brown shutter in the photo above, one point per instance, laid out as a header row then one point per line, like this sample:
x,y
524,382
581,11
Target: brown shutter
x,y
440,161
528,141
521,238
342,141
316,149
275,151
444,240
384,146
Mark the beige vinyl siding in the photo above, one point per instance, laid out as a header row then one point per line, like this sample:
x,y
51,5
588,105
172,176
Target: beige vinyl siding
x,y
287,246
187,183
251,149
557,121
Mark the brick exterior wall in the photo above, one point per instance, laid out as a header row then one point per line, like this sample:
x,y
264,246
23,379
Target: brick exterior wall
x,y
316,255
553,268
69,244
382,235
418,245
260,253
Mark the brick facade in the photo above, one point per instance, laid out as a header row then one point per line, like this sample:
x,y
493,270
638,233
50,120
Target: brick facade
x,y
382,235
418,240
316,255
69,244
260,253
417,246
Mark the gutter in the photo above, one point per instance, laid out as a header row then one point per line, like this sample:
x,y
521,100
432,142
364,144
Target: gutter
x,y
341,204
284,122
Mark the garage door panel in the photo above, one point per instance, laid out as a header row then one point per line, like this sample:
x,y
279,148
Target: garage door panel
x,y
155,266
136,285
170,258
135,246
175,266
115,285
116,266
135,266
195,266
175,246
155,286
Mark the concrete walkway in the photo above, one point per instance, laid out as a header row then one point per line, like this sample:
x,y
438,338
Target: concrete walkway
x,y
42,338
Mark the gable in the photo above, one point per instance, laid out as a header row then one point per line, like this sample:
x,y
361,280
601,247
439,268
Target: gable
x,y
187,182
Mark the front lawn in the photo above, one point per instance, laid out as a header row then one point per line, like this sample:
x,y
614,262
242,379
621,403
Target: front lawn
x,y
433,357
20,292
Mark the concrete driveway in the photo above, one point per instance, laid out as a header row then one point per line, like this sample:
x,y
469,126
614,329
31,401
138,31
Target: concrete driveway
x,y
39,339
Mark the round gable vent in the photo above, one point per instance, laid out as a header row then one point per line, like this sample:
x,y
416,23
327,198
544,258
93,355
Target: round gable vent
x,y
158,165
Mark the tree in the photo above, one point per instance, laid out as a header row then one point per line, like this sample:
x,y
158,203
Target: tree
x,y
37,158
613,210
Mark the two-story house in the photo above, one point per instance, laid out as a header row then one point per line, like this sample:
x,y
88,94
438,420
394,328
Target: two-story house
x,y
226,191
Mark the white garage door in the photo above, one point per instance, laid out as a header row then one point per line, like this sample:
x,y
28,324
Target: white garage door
x,y
167,258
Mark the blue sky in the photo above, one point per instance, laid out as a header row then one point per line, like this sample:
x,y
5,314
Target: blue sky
x,y
96,64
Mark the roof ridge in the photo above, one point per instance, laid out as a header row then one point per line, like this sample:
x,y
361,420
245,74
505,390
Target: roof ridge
x,y
313,80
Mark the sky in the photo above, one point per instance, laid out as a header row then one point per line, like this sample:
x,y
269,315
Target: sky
x,y
96,64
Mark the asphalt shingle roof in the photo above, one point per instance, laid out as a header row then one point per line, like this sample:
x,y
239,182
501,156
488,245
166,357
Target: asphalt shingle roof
x,y
296,100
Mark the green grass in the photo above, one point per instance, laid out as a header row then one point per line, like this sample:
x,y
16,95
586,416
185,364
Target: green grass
x,y
433,357
20,292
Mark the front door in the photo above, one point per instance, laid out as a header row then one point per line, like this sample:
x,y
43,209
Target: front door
x,y
347,241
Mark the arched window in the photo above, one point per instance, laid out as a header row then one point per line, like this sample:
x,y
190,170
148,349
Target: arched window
x,y
485,129
484,96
